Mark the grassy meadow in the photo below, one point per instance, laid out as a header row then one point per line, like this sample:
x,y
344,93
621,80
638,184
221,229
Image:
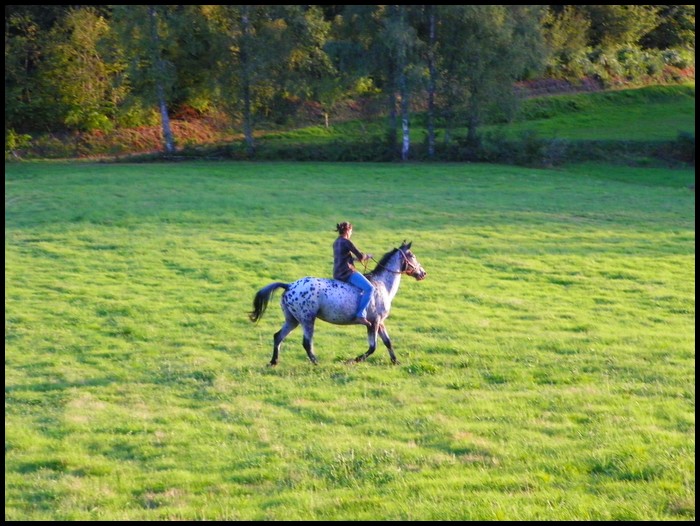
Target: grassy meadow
x,y
547,362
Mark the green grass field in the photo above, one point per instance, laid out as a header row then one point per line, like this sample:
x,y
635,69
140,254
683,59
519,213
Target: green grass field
x,y
547,362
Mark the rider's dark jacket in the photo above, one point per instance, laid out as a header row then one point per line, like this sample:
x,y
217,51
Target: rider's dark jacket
x,y
343,252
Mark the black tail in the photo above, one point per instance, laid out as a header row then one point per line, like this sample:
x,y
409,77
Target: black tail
x,y
262,298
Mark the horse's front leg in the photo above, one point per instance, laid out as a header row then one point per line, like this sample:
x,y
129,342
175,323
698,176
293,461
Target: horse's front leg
x,y
372,340
385,338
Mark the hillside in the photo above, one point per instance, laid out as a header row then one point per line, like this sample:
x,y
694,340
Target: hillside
x,y
656,122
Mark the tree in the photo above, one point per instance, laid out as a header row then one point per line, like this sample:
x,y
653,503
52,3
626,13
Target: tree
x,y
249,40
431,59
357,52
87,67
194,40
675,29
145,36
29,98
380,45
615,25
483,50
309,73
566,33
20,50
267,53
160,76
81,78
399,37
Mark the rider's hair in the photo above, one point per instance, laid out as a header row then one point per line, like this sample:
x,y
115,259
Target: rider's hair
x,y
343,227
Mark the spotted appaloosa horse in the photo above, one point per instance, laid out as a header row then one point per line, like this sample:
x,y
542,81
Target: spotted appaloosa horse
x,y
336,302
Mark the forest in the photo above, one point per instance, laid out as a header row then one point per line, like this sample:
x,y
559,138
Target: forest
x,y
84,72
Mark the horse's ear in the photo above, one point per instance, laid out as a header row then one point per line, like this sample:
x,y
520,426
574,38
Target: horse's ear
x,y
409,244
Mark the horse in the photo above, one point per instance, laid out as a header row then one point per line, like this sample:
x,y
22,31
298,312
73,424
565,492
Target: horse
x,y
336,302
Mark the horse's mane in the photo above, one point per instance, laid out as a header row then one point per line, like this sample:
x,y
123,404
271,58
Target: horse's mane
x,y
382,263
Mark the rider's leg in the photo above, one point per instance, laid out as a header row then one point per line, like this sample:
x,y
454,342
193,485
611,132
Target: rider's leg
x,y
367,288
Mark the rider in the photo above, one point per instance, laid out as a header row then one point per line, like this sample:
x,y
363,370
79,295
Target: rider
x,y
344,270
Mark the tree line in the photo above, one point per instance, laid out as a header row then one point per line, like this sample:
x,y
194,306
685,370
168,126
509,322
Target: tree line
x,y
85,68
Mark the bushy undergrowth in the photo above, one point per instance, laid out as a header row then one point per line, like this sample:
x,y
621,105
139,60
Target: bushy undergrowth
x,y
528,149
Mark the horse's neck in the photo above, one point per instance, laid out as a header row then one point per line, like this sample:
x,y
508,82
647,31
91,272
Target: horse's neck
x,y
390,278
391,282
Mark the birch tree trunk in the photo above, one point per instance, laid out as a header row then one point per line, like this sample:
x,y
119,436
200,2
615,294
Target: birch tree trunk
x,y
406,142
432,81
246,58
168,140
392,133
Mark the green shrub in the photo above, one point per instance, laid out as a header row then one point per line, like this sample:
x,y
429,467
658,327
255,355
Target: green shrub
x,y
14,142
682,149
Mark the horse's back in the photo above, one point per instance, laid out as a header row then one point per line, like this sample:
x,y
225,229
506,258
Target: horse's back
x,y
329,299
327,285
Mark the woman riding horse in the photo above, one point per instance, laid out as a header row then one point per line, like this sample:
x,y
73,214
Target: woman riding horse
x,y
344,269
338,302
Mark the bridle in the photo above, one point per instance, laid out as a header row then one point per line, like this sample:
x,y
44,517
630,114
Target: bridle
x,y
409,268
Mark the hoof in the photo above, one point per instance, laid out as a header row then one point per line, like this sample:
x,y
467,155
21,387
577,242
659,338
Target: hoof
x,y
272,364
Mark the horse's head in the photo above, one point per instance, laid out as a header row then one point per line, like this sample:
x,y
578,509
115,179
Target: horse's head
x,y
410,265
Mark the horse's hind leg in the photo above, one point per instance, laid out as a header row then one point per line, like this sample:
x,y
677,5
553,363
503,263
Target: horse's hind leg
x,y
308,341
289,325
